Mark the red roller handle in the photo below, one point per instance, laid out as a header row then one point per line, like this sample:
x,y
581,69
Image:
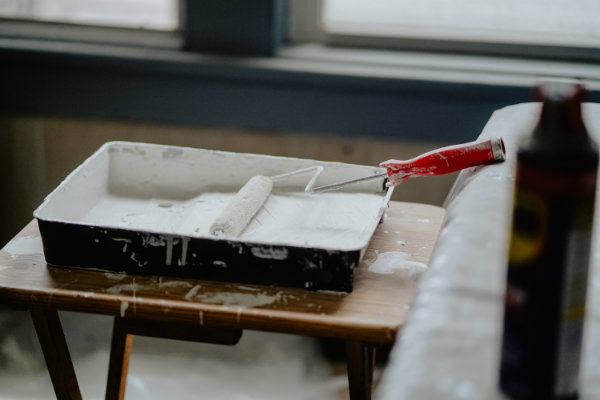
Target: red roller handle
x,y
445,160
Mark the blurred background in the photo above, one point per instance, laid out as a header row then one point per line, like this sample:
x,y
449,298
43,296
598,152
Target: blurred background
x,y
341,80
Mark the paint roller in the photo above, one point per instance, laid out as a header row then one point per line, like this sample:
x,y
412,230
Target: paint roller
x,y
249,199
436,162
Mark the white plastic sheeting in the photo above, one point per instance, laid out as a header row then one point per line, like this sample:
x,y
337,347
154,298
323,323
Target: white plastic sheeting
x,y
449,348
261,366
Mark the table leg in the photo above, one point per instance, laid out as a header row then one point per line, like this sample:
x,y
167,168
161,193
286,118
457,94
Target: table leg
x,y
118,364
54,346
124,329
360,359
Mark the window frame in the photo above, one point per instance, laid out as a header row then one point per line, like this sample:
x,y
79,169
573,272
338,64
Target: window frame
x,y
88,34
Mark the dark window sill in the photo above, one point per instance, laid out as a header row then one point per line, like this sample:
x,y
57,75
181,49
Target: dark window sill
x,y
305,88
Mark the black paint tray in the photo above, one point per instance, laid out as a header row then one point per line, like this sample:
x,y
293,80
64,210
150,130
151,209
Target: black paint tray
x,y
146,209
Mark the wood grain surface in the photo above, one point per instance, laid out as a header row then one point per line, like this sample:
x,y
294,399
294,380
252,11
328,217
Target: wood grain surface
x,y
372,313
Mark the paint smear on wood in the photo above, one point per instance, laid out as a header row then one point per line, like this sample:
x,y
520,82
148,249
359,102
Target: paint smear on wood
x,y
394,261
24,245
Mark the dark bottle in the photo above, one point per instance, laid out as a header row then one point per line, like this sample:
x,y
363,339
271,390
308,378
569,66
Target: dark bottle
x,y
549,250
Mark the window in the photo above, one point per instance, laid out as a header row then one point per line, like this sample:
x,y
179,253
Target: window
x,y
169,73
223,26
153,23
140,14
542,28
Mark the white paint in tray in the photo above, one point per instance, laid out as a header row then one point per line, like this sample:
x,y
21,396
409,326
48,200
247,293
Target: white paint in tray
x,y
330,220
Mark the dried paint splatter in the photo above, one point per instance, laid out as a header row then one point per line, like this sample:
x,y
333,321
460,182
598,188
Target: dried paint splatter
x,y
243,300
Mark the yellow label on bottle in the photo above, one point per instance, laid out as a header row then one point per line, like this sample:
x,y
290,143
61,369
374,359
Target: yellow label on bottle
x,y
529,227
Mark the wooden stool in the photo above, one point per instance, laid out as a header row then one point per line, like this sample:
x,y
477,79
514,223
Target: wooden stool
x,y
189,309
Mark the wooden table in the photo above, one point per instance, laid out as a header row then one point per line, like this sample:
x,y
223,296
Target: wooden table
x,y
218,312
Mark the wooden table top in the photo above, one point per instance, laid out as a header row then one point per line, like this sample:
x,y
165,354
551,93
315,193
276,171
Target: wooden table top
x,y
373,312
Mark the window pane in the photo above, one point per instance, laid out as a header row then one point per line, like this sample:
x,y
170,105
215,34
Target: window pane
x,y
144,14
526,21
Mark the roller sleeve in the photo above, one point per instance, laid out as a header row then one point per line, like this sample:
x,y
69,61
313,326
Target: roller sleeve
x,y
244,205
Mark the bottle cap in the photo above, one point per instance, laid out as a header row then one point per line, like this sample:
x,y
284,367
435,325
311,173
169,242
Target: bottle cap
x,y
559,90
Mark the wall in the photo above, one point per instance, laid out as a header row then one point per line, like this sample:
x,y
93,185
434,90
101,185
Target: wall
x,y
37,152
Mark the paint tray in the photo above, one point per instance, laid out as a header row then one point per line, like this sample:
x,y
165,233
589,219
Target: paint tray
x,y
146,209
